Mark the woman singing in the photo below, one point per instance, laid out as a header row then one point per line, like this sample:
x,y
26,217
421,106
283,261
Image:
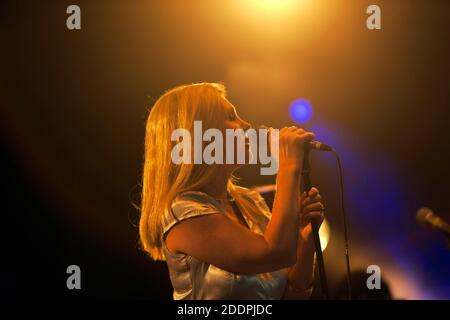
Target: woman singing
x,y
221,241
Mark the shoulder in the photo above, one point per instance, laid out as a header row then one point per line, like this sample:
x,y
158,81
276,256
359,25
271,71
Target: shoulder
x,y
187,205
193,200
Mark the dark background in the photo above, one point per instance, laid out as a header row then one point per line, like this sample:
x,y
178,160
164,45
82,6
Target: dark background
x,y
74,105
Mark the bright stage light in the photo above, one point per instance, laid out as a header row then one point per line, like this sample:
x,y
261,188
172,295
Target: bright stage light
x,y
274,4
268,8
300,110
324,234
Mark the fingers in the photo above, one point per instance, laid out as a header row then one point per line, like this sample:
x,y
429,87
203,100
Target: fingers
x,y
291,146
312,207
313,192
294,129
313,196
306,136
313,215
312,202
300,134
308,200
316,206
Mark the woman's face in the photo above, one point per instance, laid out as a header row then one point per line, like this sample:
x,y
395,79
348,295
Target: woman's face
x,y
233,121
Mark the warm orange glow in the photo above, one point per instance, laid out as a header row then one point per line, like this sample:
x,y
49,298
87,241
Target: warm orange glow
x,y
282,8
324,234
270,10
274,4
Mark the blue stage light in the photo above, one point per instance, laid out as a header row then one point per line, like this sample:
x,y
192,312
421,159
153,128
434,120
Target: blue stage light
x,y
300,110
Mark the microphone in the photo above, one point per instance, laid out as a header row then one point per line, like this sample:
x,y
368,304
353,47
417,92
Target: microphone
x,y
427,217
312,145
319,146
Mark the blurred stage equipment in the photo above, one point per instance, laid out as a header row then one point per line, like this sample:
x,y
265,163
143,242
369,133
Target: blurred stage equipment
x,y
427,217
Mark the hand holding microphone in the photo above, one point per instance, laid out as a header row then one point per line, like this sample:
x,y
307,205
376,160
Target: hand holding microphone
x,y
291,146
313,145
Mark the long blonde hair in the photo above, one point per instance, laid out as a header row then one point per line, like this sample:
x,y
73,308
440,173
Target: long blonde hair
x,y
163,180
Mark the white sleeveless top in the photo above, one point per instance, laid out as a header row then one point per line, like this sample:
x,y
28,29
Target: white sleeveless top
x,y
195,279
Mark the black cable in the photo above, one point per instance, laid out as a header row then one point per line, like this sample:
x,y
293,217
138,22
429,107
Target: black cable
x,y
344,221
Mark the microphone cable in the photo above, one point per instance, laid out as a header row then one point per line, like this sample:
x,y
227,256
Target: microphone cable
x,y
344,222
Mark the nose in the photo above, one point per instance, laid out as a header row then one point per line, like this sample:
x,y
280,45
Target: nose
x,y
246,125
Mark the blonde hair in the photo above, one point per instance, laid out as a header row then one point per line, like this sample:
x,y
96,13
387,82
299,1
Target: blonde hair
x,y
163,180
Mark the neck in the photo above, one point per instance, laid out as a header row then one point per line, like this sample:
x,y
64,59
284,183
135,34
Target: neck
x,y
218,188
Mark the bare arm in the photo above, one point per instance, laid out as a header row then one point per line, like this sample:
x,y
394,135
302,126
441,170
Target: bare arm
x,y
301,275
